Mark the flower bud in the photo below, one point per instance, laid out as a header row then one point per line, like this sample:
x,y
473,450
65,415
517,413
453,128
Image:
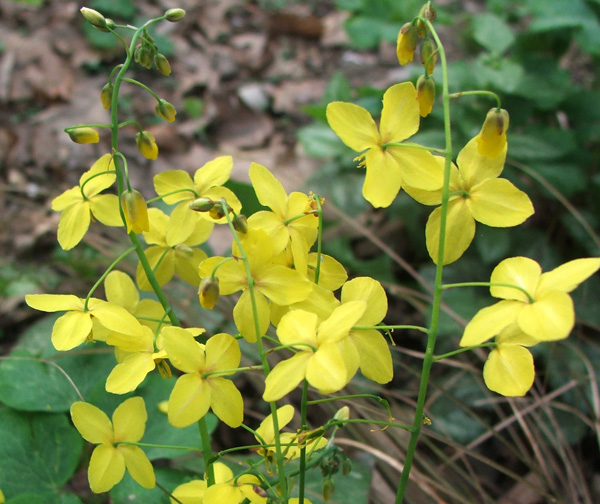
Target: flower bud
x,y
427,12
407,43
342,414
93,17
491,140
428,55
144,55
162,63
110,23
425,94
106,95
202,205
328,489
135,210
346,466
174,15
240,223
83,135
146,144
208,292
165,110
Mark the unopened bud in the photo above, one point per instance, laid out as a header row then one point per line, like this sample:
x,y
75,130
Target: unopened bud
x,y
162,63
328,489
93,17
427,12
174,15
342,414
491,140
135,210
144,56
110,23
218,212
346,466
146,144
428,55
83,135
165,110
240,223
425,95
202,205
208,292
106,95
407,43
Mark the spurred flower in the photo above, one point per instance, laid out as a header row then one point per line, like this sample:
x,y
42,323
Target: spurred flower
x,y
389,167
110,458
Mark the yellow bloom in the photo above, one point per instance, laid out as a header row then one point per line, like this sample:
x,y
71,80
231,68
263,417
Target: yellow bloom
x,y
477,195
230,490
135,210
389,167
83,135
110,458
203,386
74,327
146,144
548,316
491,141
191,492
84,202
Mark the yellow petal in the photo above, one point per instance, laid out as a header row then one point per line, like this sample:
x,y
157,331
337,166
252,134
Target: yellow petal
x,y
513,335
120,290
509,371
341,320
298,326
520,271
353,124
71,330
91,422
231,273
269,190
129,420
283,285
418,168
106,469
97,178
54,302
190,493
226,401
222,353
266,430
182,222
375,356
400,113
68,198
286,376
498,203
162,261
105,208
116,318
187,262
138,465
475,168
326,369
214,173
127,375
177,184
189,400
158,222
550,318
273,225
332,273
383,179
369,290
460,230
568,276
489,321
183,350
73,224
243,316
223,493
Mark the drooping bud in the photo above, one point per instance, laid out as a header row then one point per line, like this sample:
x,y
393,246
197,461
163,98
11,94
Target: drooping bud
x,y
346,466
162,63
328,489
427,12
106,95
166,110
428,55
342,414
93,17
110,23
425,95
83,135
144,55
208,292
135,210
146,144
218,212
202,205
174,15
407,43
491,140
240,223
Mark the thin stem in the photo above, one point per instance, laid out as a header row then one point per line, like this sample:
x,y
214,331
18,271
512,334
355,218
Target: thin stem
x,y
207,453
480,92
303,426
437,292
465,349
105,274
490,284
143,86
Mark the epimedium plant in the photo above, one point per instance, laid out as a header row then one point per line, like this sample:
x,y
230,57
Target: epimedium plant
x,y
287,303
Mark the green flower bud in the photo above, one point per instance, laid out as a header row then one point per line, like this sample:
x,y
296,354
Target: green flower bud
x,y
425,95
342,414
110,23
93,17
162,63
428,12
428,55
407,43
146,144
174,15
328,489
83,135
165,110
144,55
346,466
202,205
240,223
208,292
106,95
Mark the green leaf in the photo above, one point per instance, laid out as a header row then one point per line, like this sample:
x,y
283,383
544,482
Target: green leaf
x,y
319,140
38,452
493,244
49,498
496,73
541,145
491,32
566,177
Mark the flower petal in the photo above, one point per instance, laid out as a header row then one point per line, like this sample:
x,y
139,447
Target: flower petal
x,y
222,353
498,203
475,168
353,124
283,285
460,230
298,326
489,321
189,400
269,190
71,330
184,352
177,184
105,208
54,302
341,320
226,401
520,271
418,168
400,113
73,224
509,371
243,316
129,420
326,369
138,465
369,290
190,493
106,469
214,173
127,375
286,376
383,179
91,422
120,290
568,276
375,356
551,317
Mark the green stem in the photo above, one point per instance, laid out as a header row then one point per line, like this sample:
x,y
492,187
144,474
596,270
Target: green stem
x,y
478,92
303,426
437,292
490,284
207,454
414,146
143,86
465,349
105,274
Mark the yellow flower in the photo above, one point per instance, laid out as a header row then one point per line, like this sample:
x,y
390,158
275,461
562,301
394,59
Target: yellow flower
x,y
84,202
549,314
191,492
135,210
110,458
230,490
389,167
74,327
83,135
477,194
146,144
203,386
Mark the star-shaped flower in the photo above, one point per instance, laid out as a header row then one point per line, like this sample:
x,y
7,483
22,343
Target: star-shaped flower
x,y
388,167
110,458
